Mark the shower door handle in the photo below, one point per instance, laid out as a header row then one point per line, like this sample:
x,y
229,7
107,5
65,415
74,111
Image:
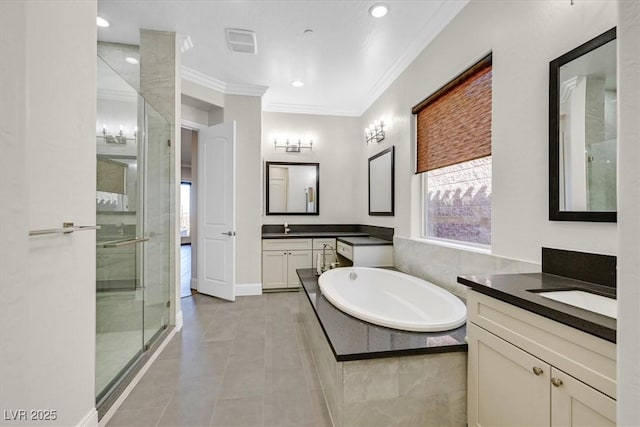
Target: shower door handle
x,y
67,227
126,242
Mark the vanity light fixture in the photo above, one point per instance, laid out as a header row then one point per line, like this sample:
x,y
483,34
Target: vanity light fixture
x,y
378,10
132,60
101,22
292,148
120,137
375,132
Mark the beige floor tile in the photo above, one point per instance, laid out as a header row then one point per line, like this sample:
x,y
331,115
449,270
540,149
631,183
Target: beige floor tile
x,y
233,364
135,417
243,412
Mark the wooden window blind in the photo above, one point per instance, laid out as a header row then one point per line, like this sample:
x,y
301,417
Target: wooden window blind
x,y
454,124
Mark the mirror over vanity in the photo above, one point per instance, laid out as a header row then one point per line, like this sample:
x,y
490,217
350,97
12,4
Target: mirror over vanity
x,y
292,188
381,183
583,132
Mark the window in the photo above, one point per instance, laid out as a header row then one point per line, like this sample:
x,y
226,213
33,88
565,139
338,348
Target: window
x,y
453,152
185,209
457,202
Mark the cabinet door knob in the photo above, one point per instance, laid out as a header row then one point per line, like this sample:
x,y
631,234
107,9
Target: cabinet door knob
x,y
538,371
557,382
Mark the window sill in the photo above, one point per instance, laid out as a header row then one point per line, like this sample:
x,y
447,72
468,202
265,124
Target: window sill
x,y
469,247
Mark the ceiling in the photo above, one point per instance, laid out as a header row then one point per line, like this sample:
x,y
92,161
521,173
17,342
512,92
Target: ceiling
x,y
346,61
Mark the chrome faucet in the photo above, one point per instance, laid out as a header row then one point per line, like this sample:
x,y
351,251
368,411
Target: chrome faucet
x,y
324,268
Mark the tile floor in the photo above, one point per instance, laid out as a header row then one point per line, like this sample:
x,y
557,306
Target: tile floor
x,y
233,364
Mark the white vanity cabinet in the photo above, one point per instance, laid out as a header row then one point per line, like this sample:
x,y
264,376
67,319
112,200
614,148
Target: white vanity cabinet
x,y
525,369
366,251
281,258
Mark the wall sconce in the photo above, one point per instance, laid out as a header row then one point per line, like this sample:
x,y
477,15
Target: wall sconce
x,y
120,137
292,148
375,132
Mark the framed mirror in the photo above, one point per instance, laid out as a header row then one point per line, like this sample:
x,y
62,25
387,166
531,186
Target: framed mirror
x,y
382,183
583,132
292,188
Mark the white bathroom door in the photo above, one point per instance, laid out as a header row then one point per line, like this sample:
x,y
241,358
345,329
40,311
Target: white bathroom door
x,y
217,210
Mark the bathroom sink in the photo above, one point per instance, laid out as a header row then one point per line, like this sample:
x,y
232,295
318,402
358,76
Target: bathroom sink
x,y
585,300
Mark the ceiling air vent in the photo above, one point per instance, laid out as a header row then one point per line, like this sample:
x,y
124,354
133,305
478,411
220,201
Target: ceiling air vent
x,y
241,41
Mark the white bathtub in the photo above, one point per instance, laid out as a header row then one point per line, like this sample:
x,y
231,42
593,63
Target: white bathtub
x,y
392,299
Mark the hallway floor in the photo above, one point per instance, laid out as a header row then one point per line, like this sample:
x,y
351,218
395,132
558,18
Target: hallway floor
x,y
233,364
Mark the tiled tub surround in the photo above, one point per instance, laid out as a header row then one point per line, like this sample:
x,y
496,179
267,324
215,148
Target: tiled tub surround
x,y
375,376
442,265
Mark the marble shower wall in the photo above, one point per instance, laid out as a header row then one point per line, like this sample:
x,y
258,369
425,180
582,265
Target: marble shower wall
x,y
441,265
160,86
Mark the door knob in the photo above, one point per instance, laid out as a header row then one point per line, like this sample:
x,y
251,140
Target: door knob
x,y
229,233
538,371
557,382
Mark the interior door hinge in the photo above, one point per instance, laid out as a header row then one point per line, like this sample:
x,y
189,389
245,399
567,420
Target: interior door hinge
x,y
168,304
169,142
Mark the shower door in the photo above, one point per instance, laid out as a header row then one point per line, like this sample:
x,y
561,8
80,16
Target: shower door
x,y
133,202
156,223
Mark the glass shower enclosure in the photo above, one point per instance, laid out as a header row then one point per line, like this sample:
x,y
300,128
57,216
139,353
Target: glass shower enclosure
x,y
133,202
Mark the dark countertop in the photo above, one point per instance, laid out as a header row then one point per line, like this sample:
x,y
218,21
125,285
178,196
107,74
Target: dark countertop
x,y
364,241
354,339
312,234
514,289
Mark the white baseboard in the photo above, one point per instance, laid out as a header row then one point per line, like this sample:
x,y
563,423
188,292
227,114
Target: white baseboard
x,y
194,283
89,420
107,417
247,289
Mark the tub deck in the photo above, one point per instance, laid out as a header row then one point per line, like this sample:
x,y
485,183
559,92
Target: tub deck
x,y
353,339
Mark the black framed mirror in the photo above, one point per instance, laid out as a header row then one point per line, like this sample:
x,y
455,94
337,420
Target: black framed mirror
x,y
292,188
583,132
382,183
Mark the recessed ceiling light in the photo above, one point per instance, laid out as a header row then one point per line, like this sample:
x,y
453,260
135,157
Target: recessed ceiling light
x,y
101,22
131,60
378,10
297,83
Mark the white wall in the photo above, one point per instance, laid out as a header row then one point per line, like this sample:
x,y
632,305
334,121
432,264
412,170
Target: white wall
x,y
336,144
524,37
192,114
629,213
247,111
47,294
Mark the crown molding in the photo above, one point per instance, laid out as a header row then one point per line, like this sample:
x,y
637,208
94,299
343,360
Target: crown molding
x,y
226,88
308,109
443,16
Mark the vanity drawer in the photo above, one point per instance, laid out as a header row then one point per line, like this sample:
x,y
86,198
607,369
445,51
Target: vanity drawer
x,y
317,243
286,244
345,250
